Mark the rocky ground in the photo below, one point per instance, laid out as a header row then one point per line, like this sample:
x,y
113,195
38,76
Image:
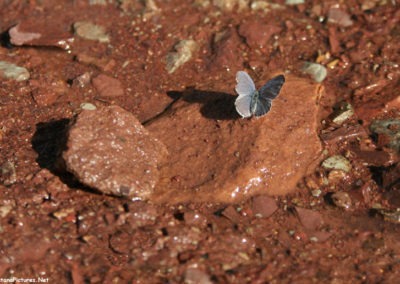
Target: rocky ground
x,y
124,160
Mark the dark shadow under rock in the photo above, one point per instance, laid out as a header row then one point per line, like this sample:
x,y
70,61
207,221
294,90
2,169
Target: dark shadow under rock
x,y
49,141
5,40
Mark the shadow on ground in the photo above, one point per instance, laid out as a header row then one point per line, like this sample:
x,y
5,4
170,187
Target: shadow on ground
x,y
215,105
49,141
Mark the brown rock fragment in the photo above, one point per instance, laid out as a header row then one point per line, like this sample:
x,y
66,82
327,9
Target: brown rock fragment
x,y
39,33
108,86
309,218
120,242
257,33
374,158
231,213
264,206
312,222
109,150
103,64
225,47
44,98
333,40
18,37
194,275
339,17
193,218
346,132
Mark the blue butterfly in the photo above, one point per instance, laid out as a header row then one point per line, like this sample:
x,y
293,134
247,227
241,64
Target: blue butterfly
x,y
252,101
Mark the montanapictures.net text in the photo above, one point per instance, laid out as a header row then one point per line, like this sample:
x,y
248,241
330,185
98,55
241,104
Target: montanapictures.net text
x,y
24,280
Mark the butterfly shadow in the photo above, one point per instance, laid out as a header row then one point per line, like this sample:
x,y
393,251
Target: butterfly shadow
x,y
214,105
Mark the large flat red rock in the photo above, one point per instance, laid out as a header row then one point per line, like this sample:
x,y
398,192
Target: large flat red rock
x,y
216,156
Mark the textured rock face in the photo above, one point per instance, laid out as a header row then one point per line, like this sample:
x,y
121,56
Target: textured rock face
x,y
109,150
216,156
37,32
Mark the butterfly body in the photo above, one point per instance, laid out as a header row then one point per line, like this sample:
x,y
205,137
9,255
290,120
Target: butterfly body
x,y
253,102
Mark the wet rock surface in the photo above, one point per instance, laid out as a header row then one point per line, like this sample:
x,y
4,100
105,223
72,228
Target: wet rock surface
x,y
263,156
336,226
109,150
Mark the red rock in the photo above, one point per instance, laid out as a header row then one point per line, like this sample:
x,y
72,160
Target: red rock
x,y
232,159
18,37
367,106
108,86
263,206
321,236
374,158
109,150
391,177
393,196
339,17
346,132
309,218
333,40
257,34
196,276
103,64
195,219
39,33
231,213
224,50
76,273
367,191
393,104
44,99
140,214
120,242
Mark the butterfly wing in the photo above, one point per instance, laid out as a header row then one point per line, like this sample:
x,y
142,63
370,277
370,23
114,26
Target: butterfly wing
x,y
245,88
263,105
267,93
271,89
242,105
245,85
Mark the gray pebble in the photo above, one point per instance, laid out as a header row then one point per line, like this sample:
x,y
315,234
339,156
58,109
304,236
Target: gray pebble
x,y
294,2
8,173
91,31
12,71
389,127
317,71
343,113
337,162
184,52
